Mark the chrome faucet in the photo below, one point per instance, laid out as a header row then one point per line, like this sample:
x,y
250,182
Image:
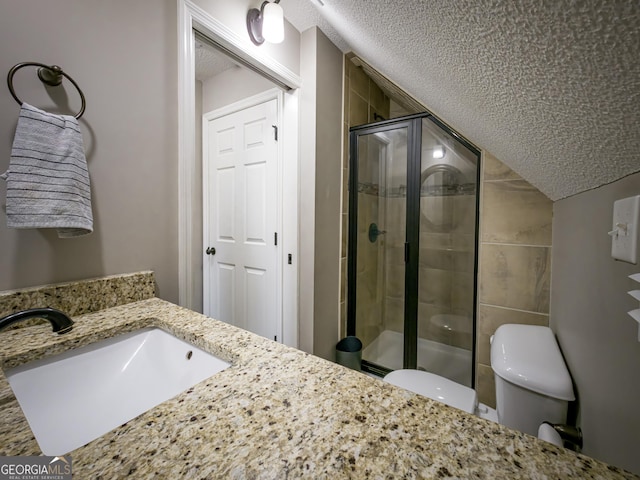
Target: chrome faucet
x,y
60,322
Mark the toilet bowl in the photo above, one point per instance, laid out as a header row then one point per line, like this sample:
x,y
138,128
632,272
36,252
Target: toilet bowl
x,y
533,384
436,387
441,389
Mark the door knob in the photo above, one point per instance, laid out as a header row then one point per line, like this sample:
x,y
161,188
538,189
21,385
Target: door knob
x,y
210,251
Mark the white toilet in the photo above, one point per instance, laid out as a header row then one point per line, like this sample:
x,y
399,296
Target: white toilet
x,y
435,387
533,384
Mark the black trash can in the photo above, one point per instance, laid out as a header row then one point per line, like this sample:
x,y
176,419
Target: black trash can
x,y
349,352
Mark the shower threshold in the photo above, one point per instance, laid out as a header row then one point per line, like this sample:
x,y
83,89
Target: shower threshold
x,y
448,361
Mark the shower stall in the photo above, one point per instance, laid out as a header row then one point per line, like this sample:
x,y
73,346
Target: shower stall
x,y
413,222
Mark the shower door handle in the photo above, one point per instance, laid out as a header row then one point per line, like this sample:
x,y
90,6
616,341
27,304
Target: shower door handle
x,y
374,232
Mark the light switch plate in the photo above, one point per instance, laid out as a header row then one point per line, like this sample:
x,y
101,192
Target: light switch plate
x,y
624,237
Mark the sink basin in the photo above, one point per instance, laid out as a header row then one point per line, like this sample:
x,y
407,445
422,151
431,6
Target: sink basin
x,y
77,396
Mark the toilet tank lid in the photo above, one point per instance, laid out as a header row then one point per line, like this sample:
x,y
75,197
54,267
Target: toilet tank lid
x,y
529,356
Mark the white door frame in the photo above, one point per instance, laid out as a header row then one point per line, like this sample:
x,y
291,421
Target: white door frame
x,y
273,94
191,17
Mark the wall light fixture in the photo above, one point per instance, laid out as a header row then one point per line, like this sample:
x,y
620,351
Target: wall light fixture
x,y
266,23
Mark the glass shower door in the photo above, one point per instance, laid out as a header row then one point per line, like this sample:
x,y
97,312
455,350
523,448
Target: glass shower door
x,y
446,271
377,243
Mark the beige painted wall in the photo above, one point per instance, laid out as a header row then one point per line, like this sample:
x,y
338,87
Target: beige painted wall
x,y
124,57
130,130
328,189
307,176
320,188
233,14
589,305
232,86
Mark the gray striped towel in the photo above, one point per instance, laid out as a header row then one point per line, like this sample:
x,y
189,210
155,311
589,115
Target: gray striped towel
x,y
48,181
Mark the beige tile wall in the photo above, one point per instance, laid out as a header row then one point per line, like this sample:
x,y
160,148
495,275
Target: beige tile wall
x,y
515,261
446,269
370,300
363,101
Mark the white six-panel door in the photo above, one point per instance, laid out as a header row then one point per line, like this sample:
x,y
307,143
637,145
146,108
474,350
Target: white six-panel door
x,y
242,285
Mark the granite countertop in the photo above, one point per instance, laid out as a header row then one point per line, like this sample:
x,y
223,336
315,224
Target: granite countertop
x,y
278,413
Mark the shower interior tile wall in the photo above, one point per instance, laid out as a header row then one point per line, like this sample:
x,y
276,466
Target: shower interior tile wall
x,y
370,298
513,263
446,267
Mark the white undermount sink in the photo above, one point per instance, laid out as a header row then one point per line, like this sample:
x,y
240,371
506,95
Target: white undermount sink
x,y
77,396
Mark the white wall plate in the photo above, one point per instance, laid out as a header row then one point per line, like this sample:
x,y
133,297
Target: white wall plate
x,y
624,236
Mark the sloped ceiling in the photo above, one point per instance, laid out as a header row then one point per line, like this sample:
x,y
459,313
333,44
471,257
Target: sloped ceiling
x,y
551,87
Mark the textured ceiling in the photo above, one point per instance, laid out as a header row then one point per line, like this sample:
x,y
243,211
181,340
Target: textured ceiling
x,y
210,61
551,87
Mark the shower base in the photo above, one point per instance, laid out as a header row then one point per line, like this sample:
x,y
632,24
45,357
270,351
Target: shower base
x,y
451,362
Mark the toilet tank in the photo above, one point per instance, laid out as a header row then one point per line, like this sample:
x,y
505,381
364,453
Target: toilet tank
x,y
533,384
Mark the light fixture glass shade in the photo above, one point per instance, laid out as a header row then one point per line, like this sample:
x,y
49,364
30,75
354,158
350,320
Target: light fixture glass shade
x,y
273,23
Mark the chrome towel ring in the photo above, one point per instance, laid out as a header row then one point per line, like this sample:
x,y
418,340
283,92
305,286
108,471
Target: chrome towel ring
x,y
51,75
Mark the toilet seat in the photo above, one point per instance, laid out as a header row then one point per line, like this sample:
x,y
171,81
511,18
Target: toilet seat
x,y
435,387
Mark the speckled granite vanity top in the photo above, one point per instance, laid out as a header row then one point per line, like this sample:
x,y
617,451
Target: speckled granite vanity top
x,y
278,413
